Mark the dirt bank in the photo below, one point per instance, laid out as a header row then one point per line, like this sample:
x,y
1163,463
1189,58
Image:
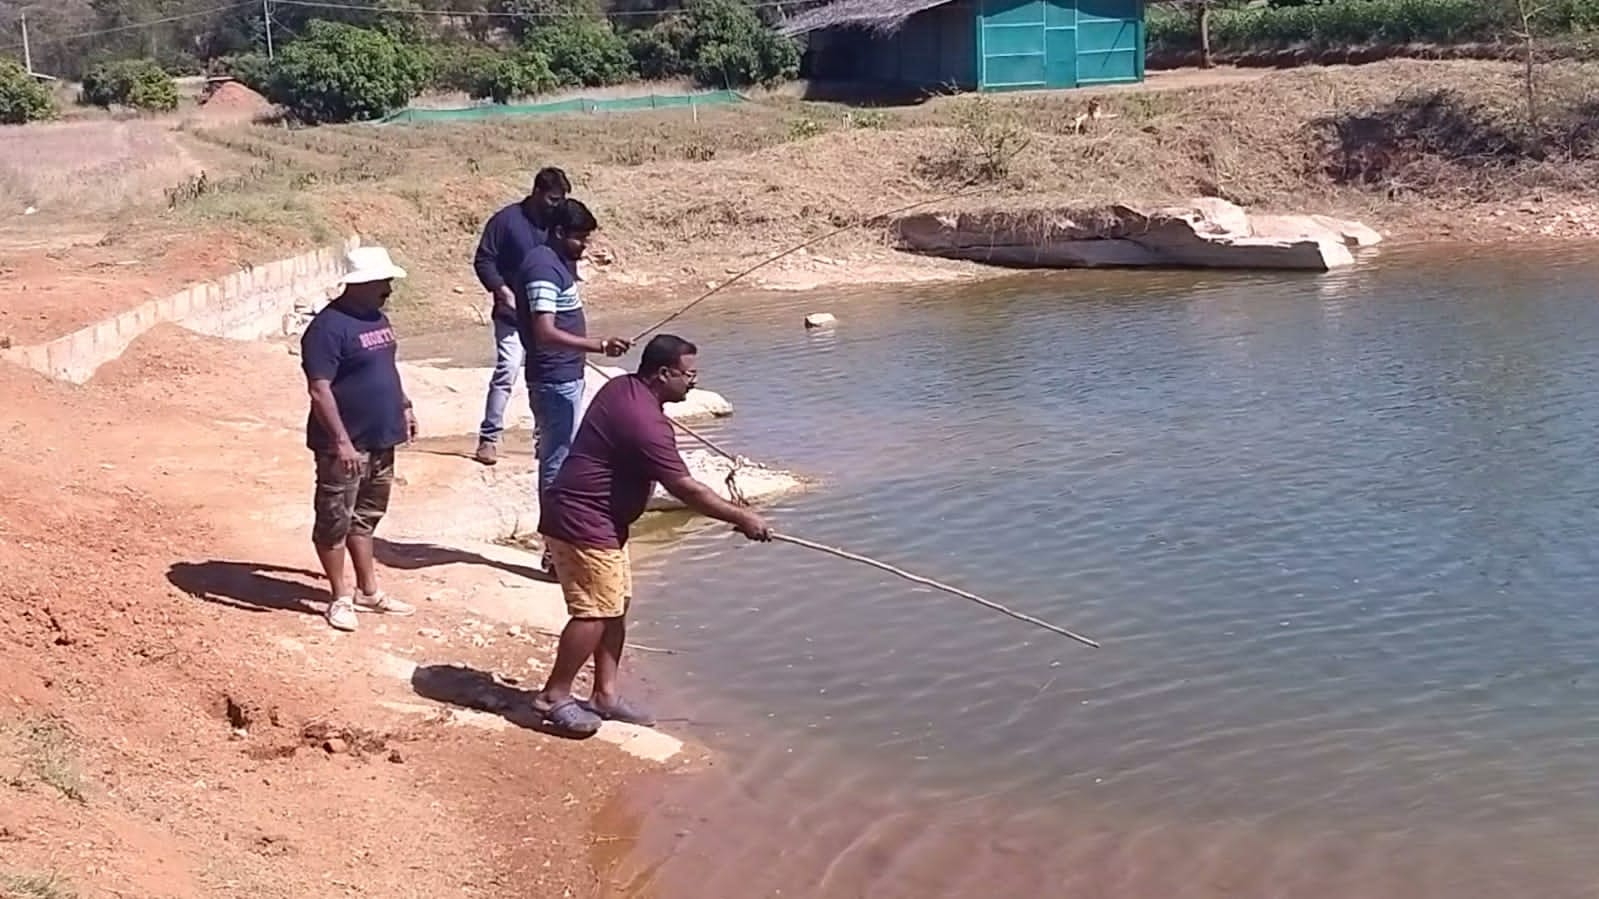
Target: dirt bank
x,y
1418,149
175,718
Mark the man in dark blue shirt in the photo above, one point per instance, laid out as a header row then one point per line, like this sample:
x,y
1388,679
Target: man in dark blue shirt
x,y
555,333
359,414
507,238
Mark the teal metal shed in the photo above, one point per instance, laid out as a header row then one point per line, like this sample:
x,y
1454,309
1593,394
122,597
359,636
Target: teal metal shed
x,y
988,45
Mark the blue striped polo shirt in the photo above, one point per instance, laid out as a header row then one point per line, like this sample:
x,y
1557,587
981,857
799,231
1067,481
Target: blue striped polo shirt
x,y
551,288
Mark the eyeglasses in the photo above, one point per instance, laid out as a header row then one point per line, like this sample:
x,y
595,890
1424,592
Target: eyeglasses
x,y
690,374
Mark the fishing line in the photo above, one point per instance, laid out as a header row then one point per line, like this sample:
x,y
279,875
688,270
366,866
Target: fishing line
x,y
737,495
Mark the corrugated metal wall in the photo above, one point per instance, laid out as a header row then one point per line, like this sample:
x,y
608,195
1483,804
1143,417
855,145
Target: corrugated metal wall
x,y
1033,44
992,45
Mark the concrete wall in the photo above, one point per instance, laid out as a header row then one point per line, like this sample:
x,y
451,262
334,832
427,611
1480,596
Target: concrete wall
x,y
249,304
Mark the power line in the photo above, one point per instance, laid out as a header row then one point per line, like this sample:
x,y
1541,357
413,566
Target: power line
x,y
133,26
494,14
326,4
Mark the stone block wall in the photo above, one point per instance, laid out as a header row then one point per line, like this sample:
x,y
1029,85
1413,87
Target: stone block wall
x,y
250,304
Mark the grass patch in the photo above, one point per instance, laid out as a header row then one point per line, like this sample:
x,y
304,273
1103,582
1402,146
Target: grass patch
x,y
42,752
1444,141
35,886
1354,23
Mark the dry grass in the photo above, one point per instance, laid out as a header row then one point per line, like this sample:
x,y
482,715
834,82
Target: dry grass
x,y
91,167
686,200
35,886
41,752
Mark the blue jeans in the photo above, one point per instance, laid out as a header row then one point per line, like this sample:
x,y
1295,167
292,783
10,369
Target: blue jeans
x,y
555,414
507,362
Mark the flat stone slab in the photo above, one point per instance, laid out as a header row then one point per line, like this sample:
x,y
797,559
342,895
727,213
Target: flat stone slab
x,y
1202,233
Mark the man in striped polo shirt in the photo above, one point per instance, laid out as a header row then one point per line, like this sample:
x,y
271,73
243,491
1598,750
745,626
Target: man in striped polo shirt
x,y
555,334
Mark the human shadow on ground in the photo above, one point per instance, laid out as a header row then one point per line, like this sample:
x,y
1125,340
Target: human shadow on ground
x,y
413,556
251,586
470,688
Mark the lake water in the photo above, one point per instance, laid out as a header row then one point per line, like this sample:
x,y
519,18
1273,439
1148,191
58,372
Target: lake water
x,y
1335,533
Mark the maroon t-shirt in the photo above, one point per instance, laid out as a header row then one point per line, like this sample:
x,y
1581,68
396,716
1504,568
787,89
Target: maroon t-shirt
x,y
623,447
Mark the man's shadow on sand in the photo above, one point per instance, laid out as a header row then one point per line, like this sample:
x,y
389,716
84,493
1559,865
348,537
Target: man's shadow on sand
x,y
252,586
414,556
470,688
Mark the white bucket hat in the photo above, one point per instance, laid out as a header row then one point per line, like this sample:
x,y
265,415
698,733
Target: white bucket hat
x,y
368,264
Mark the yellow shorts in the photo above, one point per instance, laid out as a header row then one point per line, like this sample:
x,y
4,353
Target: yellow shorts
x,y
597,583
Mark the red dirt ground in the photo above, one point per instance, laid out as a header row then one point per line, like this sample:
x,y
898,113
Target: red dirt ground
x,y
121,500
233,102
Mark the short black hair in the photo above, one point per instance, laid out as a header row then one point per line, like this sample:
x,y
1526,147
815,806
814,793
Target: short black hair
x,y
551,179
572,217
664,351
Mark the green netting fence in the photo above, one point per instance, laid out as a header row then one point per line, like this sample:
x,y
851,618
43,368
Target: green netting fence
x,y
576,105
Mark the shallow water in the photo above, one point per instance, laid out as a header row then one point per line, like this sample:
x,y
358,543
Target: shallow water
x,y
1334,532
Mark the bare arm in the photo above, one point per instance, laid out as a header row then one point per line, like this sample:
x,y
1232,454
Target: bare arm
x,y
410,415
705,501
546,333
326,410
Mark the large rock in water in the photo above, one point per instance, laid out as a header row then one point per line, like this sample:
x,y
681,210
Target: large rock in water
x,y
1202,233
756,482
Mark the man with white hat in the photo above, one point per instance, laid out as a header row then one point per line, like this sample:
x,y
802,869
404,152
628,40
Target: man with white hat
x,y
359,414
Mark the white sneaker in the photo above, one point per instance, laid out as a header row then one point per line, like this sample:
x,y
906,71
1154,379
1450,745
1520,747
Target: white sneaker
x,y
341,614
383,604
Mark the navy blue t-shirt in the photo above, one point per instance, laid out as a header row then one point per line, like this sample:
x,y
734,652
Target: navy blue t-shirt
x,y
357,353
507,238
551,286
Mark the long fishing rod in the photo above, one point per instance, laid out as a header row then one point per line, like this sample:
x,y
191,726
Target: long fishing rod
x,y
737,495
929,582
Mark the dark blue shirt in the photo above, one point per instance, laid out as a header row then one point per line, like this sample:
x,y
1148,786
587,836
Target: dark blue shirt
x,y
507,238
356,352
550,285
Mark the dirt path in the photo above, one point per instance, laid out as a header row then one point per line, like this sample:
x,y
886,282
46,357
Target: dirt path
x,y
179,719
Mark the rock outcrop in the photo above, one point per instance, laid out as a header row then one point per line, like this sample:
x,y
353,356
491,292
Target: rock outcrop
x,y
1203,233
757,482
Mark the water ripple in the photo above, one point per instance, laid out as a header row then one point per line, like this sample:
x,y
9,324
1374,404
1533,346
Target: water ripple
x,y
1332,532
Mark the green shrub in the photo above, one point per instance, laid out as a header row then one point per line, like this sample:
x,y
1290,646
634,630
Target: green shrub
x,y
22,99
804,128
253,70
657,51
1584,15
582,51
341,73
136,83
522,74
463,68
721,43
1336,24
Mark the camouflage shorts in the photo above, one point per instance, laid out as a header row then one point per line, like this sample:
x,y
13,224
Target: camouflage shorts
x,y
351,503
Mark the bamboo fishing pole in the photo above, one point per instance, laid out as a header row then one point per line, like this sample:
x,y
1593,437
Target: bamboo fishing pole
x,y
737,496
929,582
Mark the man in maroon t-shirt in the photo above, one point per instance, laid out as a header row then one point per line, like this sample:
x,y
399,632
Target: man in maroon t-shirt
x,y
624,446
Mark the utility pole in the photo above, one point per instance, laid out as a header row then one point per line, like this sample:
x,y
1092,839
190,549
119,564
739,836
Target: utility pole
x,y
266,22
27,50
